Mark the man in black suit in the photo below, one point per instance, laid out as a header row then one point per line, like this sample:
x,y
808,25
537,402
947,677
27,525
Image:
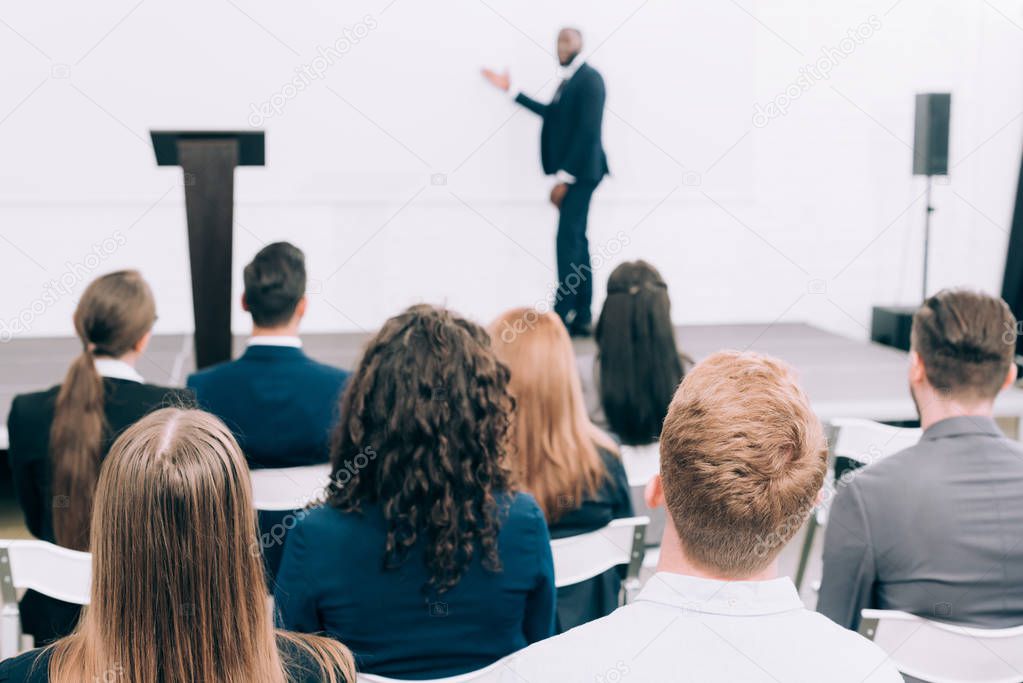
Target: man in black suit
x,y
571,150
280,404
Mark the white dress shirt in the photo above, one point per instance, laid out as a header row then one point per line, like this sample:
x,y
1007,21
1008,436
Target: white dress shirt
x,y
275,340
117,369
683,628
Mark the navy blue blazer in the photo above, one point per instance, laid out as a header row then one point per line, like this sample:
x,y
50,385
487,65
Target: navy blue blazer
x,y
597,597
332,580
280,404
570,138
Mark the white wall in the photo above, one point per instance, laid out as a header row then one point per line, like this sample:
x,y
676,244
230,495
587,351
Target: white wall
x,y
813,216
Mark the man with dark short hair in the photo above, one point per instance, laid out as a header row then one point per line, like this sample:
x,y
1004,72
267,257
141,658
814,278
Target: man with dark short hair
x,y
280,404
743,458
937,529
572,151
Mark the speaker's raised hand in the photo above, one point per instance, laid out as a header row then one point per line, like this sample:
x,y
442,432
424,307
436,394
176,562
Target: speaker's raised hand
x,y
499,80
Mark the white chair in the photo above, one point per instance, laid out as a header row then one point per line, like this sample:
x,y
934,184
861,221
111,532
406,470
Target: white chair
x,y
937,652
584,556
641,464
865,442
489,674
43,567
289,488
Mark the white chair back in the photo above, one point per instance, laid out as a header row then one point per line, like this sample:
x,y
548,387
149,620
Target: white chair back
x,y
489,674
937,652
863,441
289,488
641,464
867,442
584,556
43,567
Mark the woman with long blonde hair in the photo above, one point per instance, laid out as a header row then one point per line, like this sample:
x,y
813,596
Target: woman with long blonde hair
x,y
569,465
177,593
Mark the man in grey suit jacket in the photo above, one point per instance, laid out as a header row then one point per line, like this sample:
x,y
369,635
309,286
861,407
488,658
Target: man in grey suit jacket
x,y
937,529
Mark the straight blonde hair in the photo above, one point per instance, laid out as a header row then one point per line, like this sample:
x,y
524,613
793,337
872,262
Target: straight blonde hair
x,y
177,593
555,456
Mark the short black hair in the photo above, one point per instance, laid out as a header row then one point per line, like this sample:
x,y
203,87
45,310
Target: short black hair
x,y
275,283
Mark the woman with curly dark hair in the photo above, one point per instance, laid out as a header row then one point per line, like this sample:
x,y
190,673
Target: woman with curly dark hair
x,y
425,562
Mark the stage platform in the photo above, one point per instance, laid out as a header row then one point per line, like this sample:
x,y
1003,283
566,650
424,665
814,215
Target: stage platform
x,y
843,377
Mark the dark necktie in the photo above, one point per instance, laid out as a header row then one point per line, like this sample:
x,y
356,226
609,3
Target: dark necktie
x,y
561,87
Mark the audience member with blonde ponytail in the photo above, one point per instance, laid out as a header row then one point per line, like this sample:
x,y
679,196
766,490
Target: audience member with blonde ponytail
x,y
59,436
177,596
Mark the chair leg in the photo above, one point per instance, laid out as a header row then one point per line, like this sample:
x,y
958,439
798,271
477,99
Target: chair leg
x,y
10,631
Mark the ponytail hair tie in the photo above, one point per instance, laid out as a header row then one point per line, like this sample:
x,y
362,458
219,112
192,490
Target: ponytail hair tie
x,y
634,289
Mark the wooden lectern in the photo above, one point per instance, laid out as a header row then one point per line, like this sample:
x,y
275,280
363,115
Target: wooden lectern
x,y
208,159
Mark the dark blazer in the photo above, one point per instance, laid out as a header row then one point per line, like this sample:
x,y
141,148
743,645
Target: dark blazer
x,y
280,404
33,666
570,139
597,597
332,579
935,530
28,425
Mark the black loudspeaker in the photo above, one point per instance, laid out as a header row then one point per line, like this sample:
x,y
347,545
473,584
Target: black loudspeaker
x,y
891,326
930,137
1012,280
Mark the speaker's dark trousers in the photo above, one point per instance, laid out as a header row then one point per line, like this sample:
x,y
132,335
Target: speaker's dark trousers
x,y
574,295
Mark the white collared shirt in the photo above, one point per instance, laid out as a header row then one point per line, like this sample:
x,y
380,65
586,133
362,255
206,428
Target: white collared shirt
x,y
687,628
117,369
275,340
566,72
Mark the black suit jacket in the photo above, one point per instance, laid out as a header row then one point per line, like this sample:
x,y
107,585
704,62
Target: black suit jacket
x,y
597,597
29,424
280,404
570,139
34,666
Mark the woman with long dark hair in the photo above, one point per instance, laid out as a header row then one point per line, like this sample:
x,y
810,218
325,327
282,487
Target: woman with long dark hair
x,y
59,437
638,364
634,375
425,561
177,596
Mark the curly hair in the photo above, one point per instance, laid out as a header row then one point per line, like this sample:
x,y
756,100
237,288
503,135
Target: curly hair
x,y
429,403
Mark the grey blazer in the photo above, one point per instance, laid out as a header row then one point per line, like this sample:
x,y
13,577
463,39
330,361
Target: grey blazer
x,y
935,530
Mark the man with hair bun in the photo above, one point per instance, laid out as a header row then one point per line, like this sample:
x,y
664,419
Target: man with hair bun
x,y
937,529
